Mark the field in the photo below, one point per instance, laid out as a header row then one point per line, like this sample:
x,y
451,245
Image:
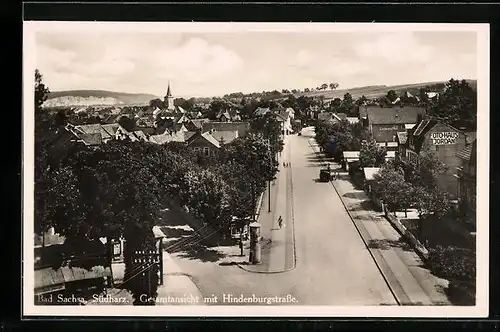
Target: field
x,y
374,91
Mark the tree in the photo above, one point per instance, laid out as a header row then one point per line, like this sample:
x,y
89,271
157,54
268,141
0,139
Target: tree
x,y
347,105
41,91
430,201
457,105
391,96
306,90
371,155
334,86
324,86
424,171
390,186
361,100
127,123
156,103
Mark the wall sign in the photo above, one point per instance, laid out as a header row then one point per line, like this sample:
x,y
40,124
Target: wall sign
x,y
388,128
444,138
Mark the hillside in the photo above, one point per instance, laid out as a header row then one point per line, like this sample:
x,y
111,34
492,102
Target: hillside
x,y
375,91
96,97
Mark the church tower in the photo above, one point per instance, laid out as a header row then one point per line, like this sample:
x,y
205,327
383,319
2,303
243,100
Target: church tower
x,y
169,99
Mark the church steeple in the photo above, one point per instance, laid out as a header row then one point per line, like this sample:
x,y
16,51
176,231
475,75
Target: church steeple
x,y
169,94
169,99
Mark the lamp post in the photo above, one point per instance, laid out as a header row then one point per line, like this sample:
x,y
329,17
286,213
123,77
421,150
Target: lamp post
x,y
269,181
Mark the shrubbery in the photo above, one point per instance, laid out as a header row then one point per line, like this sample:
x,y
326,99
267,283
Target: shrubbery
x,y
458,265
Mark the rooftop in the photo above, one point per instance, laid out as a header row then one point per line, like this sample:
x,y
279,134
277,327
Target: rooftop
x,y
393,115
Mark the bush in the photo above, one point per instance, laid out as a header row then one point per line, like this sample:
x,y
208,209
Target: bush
x,y
461,293
452,263
458,265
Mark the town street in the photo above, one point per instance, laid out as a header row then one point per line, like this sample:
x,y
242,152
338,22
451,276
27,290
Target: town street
x,y
333,266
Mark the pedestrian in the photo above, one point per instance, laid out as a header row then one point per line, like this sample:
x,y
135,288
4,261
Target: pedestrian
x,y
241,246
280,222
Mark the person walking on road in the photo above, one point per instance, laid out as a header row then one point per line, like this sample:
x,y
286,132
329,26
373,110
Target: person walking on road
x,y
280,222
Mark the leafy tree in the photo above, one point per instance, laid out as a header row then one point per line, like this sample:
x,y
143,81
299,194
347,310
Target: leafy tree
x,y
390,186
391,96
127,123
430,201
371,155
347,105
334,86
361,100
41,91
336,104
306,90
425,170
457,105
324,86
156,103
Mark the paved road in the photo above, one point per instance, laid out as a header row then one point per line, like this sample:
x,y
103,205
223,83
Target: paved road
x,y
333,266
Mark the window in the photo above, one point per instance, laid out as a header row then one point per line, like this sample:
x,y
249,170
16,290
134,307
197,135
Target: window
x,y
206,151
196,149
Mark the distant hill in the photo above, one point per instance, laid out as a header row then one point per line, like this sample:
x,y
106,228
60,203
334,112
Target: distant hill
x,y
96,97
376,91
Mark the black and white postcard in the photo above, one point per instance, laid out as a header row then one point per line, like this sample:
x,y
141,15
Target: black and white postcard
x,y
255,169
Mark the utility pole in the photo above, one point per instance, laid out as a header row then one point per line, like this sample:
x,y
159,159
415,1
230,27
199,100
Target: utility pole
x,y
269,180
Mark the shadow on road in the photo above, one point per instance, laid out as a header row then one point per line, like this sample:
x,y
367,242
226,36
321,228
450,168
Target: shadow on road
x,y
363,206
202,253
351,195
232,263
386,244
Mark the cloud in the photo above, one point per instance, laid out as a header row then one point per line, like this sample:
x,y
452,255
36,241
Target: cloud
x,y
398,47
197,61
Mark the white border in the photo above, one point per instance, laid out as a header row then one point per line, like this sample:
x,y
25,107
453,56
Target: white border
x,y
480,310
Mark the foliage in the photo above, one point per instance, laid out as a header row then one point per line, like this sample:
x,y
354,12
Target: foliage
x,y
41,91
157,103
453,263
127,123
425,170
339,137
371,155
457,105
390,186
431,201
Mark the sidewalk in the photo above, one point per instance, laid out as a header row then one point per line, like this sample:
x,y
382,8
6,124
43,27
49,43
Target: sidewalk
x,y
177,286
277,244
402,268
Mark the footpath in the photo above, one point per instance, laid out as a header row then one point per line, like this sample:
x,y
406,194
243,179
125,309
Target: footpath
x,y
277,244
401,267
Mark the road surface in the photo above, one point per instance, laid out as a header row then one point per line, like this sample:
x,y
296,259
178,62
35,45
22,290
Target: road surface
x,y
331,265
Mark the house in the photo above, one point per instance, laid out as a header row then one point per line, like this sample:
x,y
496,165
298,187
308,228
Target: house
x,y
352,120
167,137
285,119
199,122
466,175
228,115
95,134
350,157
203,143
384,123
445,142
194,115
241,127
369,172
225,137
261,111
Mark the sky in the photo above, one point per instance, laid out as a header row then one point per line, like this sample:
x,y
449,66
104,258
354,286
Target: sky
x,y
204,64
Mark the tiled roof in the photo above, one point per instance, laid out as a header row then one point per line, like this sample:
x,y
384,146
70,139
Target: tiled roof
x,y
199,122
189,134
393,115
468,153
324,116
262,111
211,139
91,139
241,127
226,136
340,116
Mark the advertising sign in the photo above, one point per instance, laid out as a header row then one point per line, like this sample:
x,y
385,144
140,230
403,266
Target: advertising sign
x,y
444,138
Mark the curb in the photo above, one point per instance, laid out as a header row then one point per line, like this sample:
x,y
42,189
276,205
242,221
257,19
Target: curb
x,y
420,249
292,219
398,298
